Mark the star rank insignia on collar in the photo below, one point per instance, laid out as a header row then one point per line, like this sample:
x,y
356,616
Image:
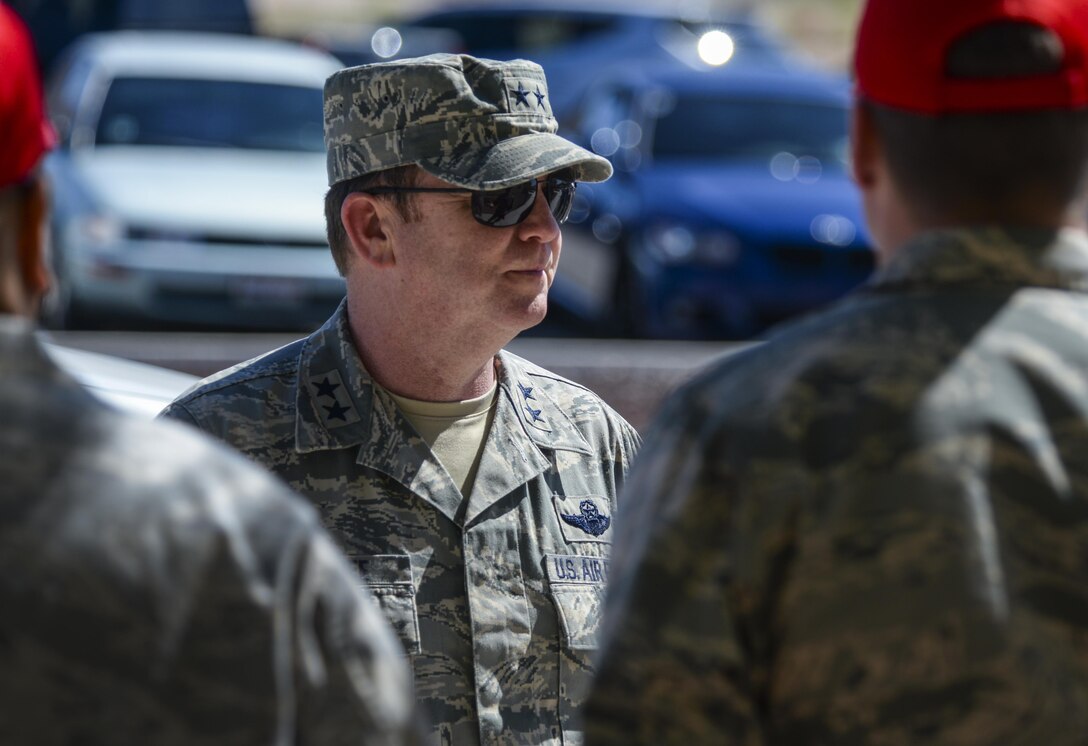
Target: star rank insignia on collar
x,y
521,94
325,387
332,400
527,396
337,412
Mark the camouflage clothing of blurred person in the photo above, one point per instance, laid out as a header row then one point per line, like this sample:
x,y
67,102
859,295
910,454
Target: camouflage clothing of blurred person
x,y
474,490
872,529
155,589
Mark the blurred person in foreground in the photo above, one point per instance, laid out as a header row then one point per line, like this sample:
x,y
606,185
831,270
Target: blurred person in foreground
x,y
874,528
155,589
474,489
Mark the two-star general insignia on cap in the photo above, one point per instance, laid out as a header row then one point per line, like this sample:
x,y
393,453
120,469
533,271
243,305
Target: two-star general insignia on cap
x,y
333,403
521,98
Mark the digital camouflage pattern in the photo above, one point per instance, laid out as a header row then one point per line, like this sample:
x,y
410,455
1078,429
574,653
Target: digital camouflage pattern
x,y
496,596
476,123
156,590
874,528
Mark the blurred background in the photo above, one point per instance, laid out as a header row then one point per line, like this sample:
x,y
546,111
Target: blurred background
x,y
189,181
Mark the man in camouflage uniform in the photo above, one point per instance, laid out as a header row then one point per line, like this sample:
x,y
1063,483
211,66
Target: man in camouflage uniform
x,y
474,490
155,589
873,529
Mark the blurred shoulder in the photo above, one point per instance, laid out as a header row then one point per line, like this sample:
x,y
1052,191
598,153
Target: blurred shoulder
x,y
187,467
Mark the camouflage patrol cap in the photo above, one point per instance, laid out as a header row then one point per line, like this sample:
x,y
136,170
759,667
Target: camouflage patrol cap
x,y
476,123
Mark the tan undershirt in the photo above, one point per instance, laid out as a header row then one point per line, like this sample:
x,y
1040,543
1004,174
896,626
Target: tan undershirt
x,y
455,431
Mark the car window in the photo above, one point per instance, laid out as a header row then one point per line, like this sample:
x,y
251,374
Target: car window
x,y
715,128
67,86
211,113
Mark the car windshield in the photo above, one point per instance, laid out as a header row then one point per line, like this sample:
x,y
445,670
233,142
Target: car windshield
x,y
716,128
211,114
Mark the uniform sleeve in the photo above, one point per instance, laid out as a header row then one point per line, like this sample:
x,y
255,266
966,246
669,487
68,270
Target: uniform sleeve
x,y
630,443
351,681
176,411
673,666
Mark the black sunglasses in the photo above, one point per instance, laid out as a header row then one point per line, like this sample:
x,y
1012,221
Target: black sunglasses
x,y
502,208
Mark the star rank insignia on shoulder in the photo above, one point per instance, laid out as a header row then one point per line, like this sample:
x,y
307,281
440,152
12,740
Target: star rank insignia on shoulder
x,y
334,405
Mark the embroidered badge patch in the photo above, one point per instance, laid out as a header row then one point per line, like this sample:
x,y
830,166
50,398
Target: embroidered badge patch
x,y
584,518
590,520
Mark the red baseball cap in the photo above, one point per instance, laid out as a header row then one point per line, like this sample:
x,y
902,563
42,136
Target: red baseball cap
x,y
902,46
25,132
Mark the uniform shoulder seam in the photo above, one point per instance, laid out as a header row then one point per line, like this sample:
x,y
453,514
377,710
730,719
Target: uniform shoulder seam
x,y
537,371
275,363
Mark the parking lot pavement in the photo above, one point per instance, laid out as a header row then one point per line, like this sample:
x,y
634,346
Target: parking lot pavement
x,y
632,376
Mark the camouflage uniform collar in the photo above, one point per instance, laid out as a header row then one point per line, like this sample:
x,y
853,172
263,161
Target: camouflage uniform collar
x,y
337,401
542,419
991,256
335,396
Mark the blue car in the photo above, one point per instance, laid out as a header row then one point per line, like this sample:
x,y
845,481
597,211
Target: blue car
x,y
731,207
576,43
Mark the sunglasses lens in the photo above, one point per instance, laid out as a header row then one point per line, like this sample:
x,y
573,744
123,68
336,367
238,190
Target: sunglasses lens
x,y
504,207
560,195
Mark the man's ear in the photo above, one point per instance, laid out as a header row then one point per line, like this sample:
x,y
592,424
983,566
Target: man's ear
x,y
32,255
864,146
367,221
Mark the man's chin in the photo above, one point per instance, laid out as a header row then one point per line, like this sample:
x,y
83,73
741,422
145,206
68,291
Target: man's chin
x,y
531,314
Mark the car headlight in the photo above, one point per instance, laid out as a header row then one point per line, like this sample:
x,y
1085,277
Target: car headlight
x,y
675,243
99,230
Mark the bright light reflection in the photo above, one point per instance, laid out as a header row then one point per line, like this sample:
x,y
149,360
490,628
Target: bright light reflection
x,y
716,48
834,230
784,166
605,142
386,42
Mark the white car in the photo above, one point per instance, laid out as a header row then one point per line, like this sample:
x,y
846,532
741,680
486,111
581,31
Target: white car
x,y
132,387
189,183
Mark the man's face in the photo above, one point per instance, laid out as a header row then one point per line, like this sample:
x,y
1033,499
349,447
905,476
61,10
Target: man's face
x,y
455,273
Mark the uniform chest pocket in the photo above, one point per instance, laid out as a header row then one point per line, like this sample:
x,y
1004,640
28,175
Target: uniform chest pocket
x,y
389,579
579,610
577,585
